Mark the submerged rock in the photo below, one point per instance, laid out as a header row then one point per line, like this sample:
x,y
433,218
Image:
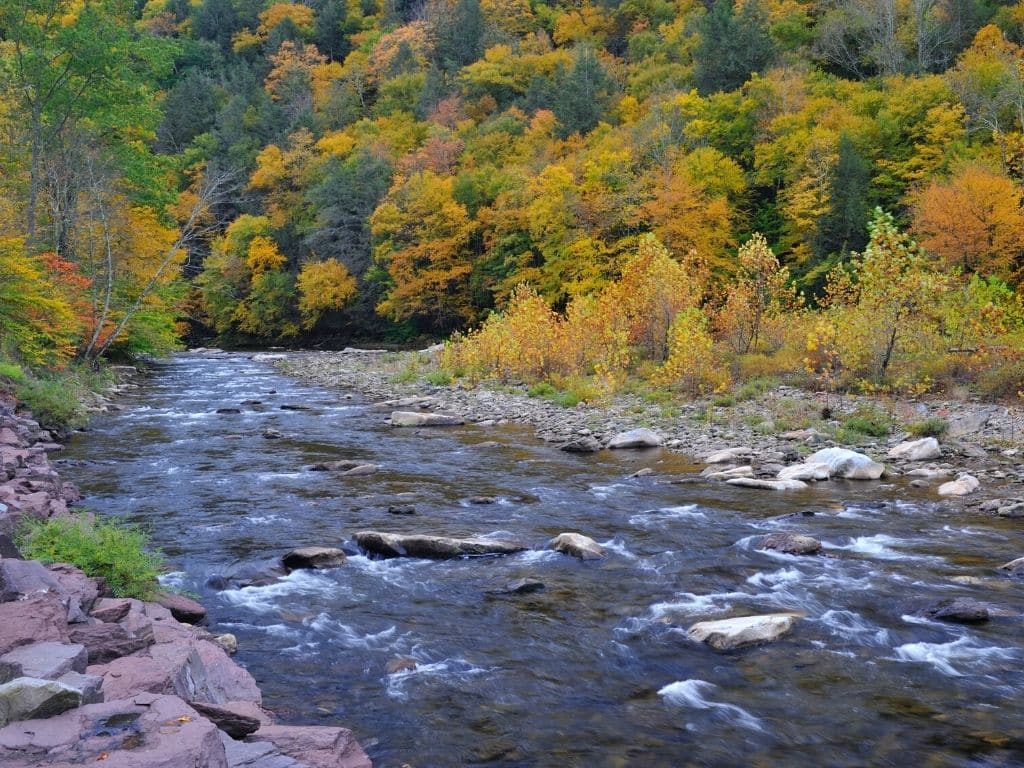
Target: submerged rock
x,y
960,610
523,586
434,547
636,438
916,450
400,664
418,419
791,543
727,634
313,558
1014,567
768,485
577,545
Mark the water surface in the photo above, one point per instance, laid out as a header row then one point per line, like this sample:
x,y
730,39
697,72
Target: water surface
x,y
596,669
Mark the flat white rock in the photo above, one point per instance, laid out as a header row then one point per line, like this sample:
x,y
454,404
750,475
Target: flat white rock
x,y
916,450
729,454
726,634
962,486
637,438
805,471
768,485
847,464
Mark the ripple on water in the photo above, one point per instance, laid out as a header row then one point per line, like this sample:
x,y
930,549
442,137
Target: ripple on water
x,y
268,597
690,693
967,654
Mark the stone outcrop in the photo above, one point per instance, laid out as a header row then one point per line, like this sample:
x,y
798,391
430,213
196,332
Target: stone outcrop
x,y
313,557
424,419
433,547
847,464
577,545
636,438
728,634
925,449
791,543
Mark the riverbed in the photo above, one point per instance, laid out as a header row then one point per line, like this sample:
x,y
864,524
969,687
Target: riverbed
x,y
595,669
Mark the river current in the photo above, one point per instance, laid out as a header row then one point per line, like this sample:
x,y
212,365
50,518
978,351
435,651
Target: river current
x,y
595,669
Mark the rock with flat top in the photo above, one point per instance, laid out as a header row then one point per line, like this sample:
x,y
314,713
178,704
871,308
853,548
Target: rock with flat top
x,y
577,545
38,618
315,746
425,419
143,731
925,449
45,661
727,634
636,438
236,718
791,543
964,484
106,641
313,558
182,608
767,485
582,444
813,471
969,422
434,547
959,610
90,686
847,464
728,474
727,455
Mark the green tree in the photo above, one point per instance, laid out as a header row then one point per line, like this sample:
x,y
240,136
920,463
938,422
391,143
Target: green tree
x,y
732,47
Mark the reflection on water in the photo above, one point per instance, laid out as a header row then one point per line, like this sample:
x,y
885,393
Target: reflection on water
x,y
595,670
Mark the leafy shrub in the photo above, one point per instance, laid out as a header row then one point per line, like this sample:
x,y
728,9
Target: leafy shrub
x,y
119,553
439,378
725,401
933,426
11,372
55,403
868,421
1003,380
542,389
753,389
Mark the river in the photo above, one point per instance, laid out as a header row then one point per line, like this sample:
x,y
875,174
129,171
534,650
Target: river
x,y
596,669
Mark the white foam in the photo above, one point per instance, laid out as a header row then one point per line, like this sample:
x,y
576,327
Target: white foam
x,y
604,491
447,669
776,579
853,626
174,579
879,546
267,597
965,653
688,693
657,517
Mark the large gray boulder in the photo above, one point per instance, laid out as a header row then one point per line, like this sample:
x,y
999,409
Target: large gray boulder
x,y
807,471
963,485
313,557
636,438
577,545
727,634
847,464
25,698
425,419
435,547
925,449
791,543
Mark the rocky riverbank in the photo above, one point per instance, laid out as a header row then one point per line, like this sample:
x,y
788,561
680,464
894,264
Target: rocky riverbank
x,y
764,432
86,677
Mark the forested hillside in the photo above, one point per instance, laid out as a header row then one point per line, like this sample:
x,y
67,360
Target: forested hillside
x,y
676,188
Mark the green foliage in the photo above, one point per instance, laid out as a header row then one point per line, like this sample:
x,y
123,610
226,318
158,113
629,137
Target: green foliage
x,y
542,389
104,548
439,378
867,421
933,426
11,372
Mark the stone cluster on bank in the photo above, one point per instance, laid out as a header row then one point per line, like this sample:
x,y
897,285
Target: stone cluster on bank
x,y
87,677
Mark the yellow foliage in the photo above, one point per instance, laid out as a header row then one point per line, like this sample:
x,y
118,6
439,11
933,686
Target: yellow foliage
x,y
323,286
263,256
692,364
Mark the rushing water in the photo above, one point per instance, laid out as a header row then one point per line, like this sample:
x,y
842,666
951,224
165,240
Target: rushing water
x,y
595,670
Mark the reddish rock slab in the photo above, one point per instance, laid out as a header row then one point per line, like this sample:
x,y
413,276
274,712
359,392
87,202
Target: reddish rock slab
x,y
34,620
181,608
141,732
85,588
111,609
237,719
316,746
106,642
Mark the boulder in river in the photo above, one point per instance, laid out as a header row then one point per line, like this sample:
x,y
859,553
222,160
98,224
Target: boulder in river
x,y
847,464
636,438
434,547
960,610
425,419
963,485
582,444
1012,509
768,485
728,474
791,543
313,558
727,455
182,608
577,545
523,586
916,450
806,471
727,634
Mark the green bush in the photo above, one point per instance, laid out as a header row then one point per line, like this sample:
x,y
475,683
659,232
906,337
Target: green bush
x,y
55,403
542,390
1001,380
568,399
724,401
756,387
439,378
868,421
933,426
117,552
11,372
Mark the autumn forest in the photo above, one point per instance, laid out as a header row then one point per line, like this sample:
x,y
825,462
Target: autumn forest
x,y
575,192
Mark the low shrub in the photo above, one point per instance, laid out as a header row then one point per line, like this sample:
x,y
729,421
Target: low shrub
x,y
106,548
439,378
542,390
11,372
867,421
933,426
55,403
